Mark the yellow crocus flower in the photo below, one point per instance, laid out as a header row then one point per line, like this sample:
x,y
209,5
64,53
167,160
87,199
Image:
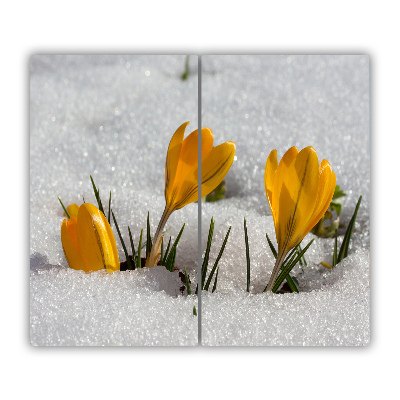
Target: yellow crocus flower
x,y
72,210
88,241
299,191
181,174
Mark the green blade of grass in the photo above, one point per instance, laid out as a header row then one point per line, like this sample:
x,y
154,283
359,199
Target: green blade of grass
x,y
189,291
347,236
284,273
186,71
335,255
291,283
173,260
207,253
271,246
166,252
132,247
109,209
97,195
246,240
65,210
162,249
148,241
289,258
139,259
169,265
289,279
215,282
217,260
144,244
302,260
176,242
194,310
172,254
130,267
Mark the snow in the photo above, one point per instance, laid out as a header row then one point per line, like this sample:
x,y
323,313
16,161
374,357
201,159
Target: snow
x,y
112,117
267,102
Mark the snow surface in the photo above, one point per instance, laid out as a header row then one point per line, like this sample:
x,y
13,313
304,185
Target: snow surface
x,y
267,102
112,117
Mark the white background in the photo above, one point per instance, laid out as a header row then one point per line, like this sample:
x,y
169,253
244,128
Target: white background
x,y
215,28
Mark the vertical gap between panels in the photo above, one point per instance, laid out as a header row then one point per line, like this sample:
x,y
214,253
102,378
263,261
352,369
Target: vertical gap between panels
x,y
199,305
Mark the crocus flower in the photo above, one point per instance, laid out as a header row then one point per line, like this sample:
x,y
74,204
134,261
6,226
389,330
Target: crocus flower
x,y
88,241
299,191
181,174
72,210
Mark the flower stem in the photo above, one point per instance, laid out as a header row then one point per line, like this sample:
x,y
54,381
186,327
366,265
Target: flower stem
x,y
275,272
152,258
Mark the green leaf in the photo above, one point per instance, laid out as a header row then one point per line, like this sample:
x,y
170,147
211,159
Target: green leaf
x,y
186,71
335,255
289,279
97,195
194,310
285,288
271,246
139,259
169,265
148,241
179,236
217,260
109,209
347,236
65,210
246,240
132,247
204,266
292,284
128,260
289,259
166,252
285,271
217,194
187,281
338,193
215,281
336,207
302,260
170,260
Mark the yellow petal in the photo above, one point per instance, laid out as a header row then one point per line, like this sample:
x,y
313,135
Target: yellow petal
x,y
326,265
189,153
269,175
207,141
326,188
171,162
73,210
115,266
280,174
96,246
69,240
214,166
296,197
